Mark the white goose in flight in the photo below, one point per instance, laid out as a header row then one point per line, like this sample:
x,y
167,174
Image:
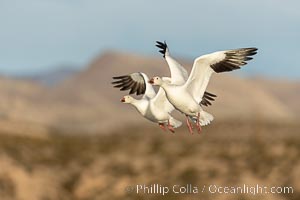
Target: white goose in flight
x,y
186,97
152,106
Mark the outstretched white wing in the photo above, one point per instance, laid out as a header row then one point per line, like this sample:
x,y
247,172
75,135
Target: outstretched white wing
x,y
178,77
136,83
179,74
221,61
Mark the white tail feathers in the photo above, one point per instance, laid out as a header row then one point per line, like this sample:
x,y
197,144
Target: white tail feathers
x,y
205,118
175,123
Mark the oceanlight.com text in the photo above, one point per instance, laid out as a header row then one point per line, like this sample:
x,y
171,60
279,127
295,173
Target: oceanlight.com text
x,y
211,189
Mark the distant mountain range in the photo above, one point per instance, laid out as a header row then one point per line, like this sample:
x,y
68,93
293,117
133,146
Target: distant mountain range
x,y
52,77
85,101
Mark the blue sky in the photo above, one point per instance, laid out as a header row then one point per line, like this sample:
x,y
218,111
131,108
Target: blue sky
x,y
39,35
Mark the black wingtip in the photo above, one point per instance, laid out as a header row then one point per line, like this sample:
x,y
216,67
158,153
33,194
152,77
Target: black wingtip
x,y
161,43
209,94
119,77
207,98
162,46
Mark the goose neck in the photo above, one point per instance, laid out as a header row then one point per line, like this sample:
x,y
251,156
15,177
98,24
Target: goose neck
x,y
164,85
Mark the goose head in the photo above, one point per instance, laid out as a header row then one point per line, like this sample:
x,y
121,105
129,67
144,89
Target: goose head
x,y
127,99
156,81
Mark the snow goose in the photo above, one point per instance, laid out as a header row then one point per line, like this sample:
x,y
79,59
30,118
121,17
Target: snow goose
x,y
152,106
186,97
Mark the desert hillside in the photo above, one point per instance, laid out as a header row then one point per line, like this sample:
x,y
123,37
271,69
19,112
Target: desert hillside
x,y
47,150
88,102
239,98
288,92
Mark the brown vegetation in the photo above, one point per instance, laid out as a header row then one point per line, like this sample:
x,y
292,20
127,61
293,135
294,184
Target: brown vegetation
x,y
101,166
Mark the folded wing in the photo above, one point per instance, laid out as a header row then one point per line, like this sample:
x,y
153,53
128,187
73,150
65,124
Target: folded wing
x,y
160,100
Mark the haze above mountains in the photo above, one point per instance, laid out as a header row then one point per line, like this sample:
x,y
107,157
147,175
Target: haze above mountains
x,y
85,101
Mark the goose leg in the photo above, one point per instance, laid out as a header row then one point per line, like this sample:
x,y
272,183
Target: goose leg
x,y
170,127
189,124
198,123
162,126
